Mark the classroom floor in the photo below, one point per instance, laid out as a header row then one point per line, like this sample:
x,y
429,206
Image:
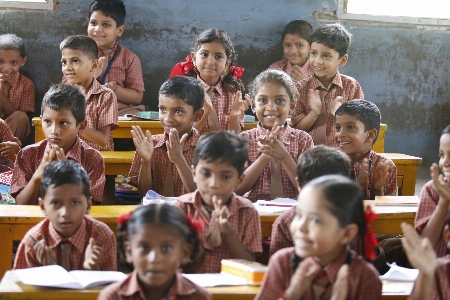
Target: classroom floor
x,y
423,176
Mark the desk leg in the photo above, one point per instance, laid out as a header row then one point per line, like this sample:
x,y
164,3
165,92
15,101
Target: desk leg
x,y
6,244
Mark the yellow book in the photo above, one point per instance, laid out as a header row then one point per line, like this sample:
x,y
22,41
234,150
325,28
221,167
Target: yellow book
x,y
252,271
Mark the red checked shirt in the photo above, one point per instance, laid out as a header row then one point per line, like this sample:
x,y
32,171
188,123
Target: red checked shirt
x,y
345,86
286,66
29,158
130,289
295,142
390,187
281,234
6,134
363,278
222,103
428,202
244,221
21,94
160,161
90,228
101,111
126,71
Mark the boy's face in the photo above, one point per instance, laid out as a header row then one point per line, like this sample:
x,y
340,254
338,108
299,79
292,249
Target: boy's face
x,y
65,207
175,113
296,49
10,63
351,137
78,68
217,178
444,154
104,30
60,127
325,62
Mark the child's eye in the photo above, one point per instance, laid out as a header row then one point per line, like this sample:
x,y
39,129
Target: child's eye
x,y
205,174
350,127
441,155
204,54
64,123
178,111
313,53
162,109
14,63
76,60
75,202
93,23
46,121
63,62
219,56
338,128
327,56
54,203
166,248
143,248
105,24
299,45
261,100
286,45
315,221
226,177
280,101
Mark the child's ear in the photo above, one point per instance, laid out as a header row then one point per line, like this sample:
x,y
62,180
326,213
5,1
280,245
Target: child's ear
x,y
371,135
350,232
186,252
128,256
24,60
120,30
94,64
198,114
193,57
89,205
41,204
343,60
82,126
240,180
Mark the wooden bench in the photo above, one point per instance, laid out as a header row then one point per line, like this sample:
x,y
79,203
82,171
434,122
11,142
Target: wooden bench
x,y
406,172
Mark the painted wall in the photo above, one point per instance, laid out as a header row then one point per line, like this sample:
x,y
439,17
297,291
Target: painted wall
x,y
402,68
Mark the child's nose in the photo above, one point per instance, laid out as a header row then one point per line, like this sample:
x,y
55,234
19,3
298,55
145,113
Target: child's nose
x,y
152,255
213,182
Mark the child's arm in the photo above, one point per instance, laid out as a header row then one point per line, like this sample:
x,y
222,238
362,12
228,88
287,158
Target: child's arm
x,y
422,256
209,116
99,136
9,148
237,110
380,176
175,153
302,279
144,146
5,104
433,229
125,95
315,106
252,174
92,256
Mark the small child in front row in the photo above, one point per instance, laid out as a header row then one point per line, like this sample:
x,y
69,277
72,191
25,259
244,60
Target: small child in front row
x,y
160,240
432,211
296,42
329,216
314,162
232,223
324,92
162,162
67,236
274,145
357,127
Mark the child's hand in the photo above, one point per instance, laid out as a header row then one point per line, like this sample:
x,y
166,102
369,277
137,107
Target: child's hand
x,y
363,176
303,277
297,73
440,186
335,104
92,256
59,153
208,106
9,148
102,64
5,87
144,144
112,85
175,146
49,155
44,253
420,253
380,175
340,287
273,145
239,105
221,213
315,103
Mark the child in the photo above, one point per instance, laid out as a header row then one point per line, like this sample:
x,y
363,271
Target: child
x,y
16,90
274,145
161,239
79,60
357,127
162,161
296,41
67,236
212,62
322,94
329,216
62,116
314,162
432,212
233,229
119,68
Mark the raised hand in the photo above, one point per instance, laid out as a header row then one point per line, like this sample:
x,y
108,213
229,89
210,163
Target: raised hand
x,y
439,184
111,85
144,144
380,175
303,277
92,255
315,103
335,104
363,176
272,144
297,73
44,255
239,105
102,64
175,146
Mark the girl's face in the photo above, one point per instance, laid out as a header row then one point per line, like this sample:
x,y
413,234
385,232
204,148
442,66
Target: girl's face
x,y
211,61
444,154
157,251
272,104
316,231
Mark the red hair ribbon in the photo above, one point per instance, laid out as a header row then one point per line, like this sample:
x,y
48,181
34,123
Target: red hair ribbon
x,y
182,68
124,218
195,225
370,241
236,71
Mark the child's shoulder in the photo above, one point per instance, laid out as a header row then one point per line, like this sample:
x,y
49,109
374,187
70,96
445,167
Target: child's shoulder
x,y
33,149
195,291
348,81
100,228
38,231
98,89
279,65
127,53
282,257
24,80
378,158
243,203
297,133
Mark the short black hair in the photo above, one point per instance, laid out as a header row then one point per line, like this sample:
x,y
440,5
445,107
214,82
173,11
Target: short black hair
x,y
223,146
82,43
363,110
67,96
68,171
319,161
110,8
334,36
11,41
300,28
188,89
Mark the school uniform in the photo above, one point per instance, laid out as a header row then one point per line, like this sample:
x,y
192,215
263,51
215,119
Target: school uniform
x,y
130,289
342,85
281,234
363,278
90,228
29,158
160,162
244,221
295,142
429,200
6,134
286,66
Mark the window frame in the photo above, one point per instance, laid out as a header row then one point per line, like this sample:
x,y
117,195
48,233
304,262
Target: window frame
x,y
47,5
343,15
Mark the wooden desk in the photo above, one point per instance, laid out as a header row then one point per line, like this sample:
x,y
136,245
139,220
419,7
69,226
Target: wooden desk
x,y
406,172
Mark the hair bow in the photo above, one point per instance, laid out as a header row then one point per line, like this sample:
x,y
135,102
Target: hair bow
x,y
370,241
124,218
182,68
195,225
236,71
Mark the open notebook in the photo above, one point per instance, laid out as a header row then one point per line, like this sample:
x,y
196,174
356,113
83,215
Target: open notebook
x,y
397,273
57,276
